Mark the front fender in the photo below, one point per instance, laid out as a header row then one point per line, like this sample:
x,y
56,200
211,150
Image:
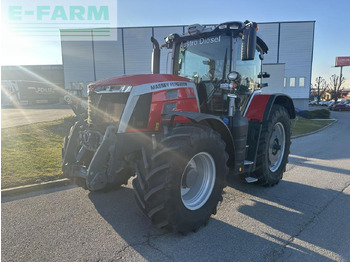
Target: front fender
x,y
213,122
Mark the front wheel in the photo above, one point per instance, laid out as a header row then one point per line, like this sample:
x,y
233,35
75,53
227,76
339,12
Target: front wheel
x,y
274,146
179,186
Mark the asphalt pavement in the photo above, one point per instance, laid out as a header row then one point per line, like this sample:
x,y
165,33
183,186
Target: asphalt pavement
x,y
304,218
25,115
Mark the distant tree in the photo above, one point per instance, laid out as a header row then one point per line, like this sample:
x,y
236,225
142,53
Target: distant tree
x,y
321,87
335,86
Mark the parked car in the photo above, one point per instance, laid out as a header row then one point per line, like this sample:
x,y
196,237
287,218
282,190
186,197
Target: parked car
x,y
340,107
330,105
312,103
330,102
323,103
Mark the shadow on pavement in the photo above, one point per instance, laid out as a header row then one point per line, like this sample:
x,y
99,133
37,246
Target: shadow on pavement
x,y
218,241
301,161
289,207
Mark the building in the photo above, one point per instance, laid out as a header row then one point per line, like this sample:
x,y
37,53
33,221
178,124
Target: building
x,y
289,60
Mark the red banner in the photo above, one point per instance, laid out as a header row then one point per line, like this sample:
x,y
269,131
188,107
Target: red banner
x,y
342,61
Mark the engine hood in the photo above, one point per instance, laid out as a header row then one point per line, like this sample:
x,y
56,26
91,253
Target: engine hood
x,y
135,80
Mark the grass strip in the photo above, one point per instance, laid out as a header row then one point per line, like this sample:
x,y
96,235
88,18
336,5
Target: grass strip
x,y
32,153
303,126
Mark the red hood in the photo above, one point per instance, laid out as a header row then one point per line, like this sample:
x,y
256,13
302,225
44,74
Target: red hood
x,y
136,80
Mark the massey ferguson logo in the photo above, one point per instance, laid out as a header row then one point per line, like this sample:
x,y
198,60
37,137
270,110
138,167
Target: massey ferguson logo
x,y
168,85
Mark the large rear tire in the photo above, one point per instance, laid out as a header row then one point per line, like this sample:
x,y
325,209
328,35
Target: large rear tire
x,y
274,147
179,185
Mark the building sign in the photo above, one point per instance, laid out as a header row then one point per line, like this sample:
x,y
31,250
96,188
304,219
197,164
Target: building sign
x,y
342,61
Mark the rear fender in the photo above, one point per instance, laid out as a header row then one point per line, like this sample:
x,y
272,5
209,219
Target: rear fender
x,y
260,106
258,112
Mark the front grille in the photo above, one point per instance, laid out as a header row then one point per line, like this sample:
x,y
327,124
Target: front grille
x,y
106,109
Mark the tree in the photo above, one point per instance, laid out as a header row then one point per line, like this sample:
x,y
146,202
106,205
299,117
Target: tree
x,y
321,87
335,85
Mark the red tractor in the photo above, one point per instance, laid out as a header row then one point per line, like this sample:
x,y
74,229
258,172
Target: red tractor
x,y
183,134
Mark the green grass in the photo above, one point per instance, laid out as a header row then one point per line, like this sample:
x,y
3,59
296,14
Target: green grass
x,y
32,153
302,126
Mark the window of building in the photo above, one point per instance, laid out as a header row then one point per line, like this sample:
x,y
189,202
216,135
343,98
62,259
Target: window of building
x,y
301,81
285,82
292,82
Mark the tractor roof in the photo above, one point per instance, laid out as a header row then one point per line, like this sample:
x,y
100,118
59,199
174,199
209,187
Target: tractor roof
x,y
197,31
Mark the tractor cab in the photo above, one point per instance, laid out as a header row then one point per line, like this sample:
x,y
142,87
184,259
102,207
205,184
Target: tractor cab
x,y
208,56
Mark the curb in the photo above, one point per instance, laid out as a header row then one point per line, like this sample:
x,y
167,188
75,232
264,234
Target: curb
x,y
313,132
20,190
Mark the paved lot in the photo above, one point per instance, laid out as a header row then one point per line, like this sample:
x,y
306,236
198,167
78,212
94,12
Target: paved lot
x,y
304,218
11,117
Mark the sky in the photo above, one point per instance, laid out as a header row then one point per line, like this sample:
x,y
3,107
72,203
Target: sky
x,y
332,27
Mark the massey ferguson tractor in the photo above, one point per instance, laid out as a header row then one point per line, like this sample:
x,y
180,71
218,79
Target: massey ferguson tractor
x,y
182,134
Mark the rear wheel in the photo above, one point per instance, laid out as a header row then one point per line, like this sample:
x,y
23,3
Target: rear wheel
x,y
179,186
274,146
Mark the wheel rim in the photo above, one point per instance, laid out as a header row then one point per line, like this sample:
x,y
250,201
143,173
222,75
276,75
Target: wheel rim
x,y
197,181
277,146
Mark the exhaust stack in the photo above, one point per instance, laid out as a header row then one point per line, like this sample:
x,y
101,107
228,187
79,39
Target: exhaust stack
x,y
155,56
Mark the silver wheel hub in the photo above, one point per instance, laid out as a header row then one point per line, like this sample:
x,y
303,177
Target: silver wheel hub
x,y
197,181
277,144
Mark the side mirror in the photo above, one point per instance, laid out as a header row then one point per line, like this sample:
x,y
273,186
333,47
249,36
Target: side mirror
x,y
249,42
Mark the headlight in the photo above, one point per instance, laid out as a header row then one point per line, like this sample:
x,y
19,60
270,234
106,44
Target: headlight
x,y
110,89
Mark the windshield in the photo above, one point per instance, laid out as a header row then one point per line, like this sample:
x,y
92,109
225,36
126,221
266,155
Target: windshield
x,y
203,59
206,61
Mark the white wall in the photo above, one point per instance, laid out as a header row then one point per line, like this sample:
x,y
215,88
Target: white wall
x,y
77,58
137,50
276,79
296,47
109,58
269,33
